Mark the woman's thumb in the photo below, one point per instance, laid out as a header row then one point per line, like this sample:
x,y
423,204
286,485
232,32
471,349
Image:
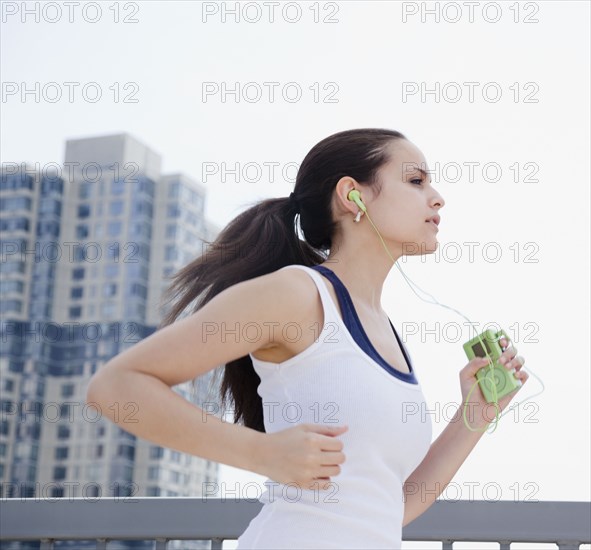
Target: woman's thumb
x,y
476,364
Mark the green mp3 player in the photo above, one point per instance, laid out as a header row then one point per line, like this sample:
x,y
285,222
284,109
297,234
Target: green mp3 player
x,y
494,373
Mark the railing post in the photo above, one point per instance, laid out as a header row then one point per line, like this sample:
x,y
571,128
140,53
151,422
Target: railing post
x,y
101,544
161,544
216,544
46,544
567,545
505,545
447,545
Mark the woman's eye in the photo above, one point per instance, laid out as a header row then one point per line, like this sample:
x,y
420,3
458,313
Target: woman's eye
x,y
420,180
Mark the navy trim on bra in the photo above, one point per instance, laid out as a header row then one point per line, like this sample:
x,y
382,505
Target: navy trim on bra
x,y
353,324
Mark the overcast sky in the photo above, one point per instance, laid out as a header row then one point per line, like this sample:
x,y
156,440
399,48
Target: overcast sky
x,y
341,65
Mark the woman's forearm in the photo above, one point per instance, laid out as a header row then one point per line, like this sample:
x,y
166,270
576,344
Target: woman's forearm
x,y
148,408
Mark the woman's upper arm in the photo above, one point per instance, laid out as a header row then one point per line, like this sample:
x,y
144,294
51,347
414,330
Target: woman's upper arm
x,y
239,320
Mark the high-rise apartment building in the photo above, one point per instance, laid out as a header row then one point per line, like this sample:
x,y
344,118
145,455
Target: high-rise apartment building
x,y
87,247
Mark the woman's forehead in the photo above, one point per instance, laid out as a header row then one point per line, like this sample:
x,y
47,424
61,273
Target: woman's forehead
x,y
405,158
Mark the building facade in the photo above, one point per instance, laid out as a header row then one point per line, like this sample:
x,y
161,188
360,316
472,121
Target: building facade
x,y
87,248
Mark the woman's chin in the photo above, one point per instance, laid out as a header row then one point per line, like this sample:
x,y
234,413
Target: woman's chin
x,y
429,247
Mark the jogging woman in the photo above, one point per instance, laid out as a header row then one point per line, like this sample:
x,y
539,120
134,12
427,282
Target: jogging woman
x,y
327,403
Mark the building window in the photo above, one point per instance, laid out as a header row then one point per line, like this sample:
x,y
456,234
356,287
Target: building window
x,y
191,218
135,310
114,229
173,190
84,190
139,290
64,410
156,452
7,306
48,228
143,208
76,292
75,312
109,289
171,231
126,451
59,473
144,251
63,432
78,273
136,229
113,250
6,287
16,181
50,206
153,492
16,366
81,231
51,183
108,309
61,453
189,237
14,224
134,270
173,211
171,253
67,390
12,267
117,187
116,208
154,473
15,203
144,185
83,210
57,492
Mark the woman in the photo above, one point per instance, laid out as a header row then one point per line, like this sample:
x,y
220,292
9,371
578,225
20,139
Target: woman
x,y
340,431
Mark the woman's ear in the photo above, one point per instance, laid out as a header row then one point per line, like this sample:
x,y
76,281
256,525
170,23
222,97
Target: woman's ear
x,y
342,190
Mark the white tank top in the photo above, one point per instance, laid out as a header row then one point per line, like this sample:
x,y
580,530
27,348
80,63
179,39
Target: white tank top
x,y
334,382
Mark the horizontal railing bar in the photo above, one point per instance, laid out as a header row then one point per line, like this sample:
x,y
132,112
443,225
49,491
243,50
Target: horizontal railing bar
x,y
195,518
495,521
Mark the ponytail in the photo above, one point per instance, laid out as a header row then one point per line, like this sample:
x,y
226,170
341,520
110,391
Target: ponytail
x,y
260,240
264,238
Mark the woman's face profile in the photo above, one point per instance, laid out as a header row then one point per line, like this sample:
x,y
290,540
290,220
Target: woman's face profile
x,y
407,199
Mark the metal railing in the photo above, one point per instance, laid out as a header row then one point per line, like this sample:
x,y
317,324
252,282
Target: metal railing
x,y
164,519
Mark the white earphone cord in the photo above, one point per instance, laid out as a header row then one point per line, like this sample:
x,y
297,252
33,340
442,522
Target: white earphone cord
x,y
435,302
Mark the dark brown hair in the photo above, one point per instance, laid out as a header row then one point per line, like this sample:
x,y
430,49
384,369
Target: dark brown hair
x,y
264,238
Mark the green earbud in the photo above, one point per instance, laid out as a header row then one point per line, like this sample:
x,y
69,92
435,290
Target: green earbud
x,y
355,196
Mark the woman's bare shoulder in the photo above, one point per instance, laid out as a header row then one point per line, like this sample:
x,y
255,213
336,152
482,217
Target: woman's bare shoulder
x,y
294,289
296,301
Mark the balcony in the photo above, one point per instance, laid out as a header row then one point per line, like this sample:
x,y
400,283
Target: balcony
x,y
159,519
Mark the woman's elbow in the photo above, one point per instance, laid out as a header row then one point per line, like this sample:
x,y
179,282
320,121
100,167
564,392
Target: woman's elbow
x,y
99,383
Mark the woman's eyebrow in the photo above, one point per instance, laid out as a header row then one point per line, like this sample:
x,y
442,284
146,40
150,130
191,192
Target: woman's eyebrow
x,y
424,172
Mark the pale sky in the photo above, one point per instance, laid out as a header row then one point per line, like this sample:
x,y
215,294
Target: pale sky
x,y
535,214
